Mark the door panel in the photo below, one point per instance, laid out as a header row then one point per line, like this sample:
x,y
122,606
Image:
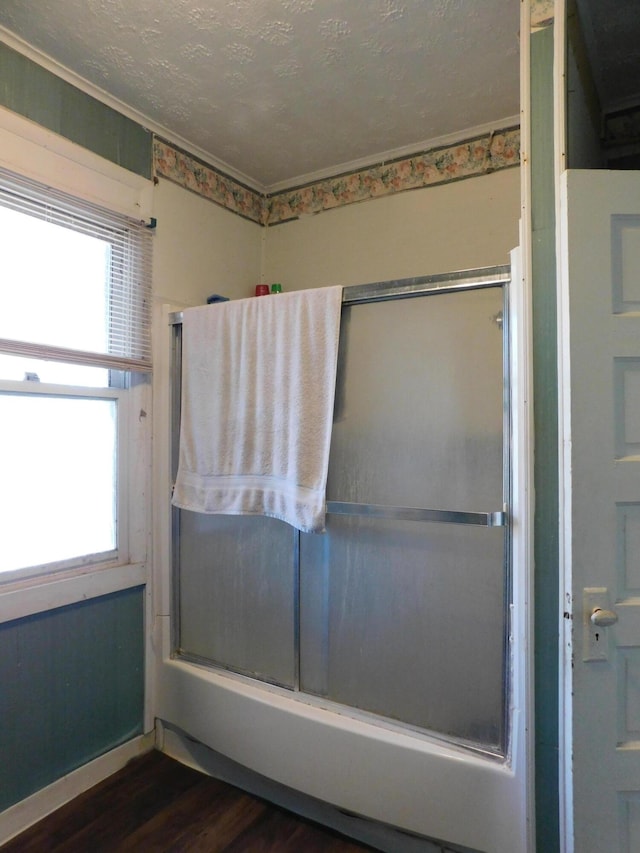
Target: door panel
x,y
601,515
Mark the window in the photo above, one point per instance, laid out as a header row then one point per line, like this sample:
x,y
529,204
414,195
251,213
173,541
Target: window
x,y
74,350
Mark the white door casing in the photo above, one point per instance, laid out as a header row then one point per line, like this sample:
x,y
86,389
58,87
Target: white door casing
x,y
599,343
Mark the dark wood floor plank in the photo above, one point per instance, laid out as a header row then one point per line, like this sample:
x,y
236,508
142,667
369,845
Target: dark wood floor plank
x,y
72,817
157,805
98,819
216,836
131,808
281,832
205,807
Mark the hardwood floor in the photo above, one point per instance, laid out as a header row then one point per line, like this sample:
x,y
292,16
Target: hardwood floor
x,y
155,804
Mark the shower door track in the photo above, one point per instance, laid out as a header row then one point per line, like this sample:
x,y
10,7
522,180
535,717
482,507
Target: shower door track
x,y
405,288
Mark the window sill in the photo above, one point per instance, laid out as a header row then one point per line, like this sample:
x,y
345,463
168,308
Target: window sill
x,y
47,592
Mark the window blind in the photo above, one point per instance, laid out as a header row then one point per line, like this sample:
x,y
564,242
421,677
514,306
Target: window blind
x,y
128,279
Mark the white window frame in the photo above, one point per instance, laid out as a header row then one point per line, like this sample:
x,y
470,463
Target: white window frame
x,y
35,153
130,545
30,150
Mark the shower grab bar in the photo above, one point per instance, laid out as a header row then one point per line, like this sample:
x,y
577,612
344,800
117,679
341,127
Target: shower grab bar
x,y
405,513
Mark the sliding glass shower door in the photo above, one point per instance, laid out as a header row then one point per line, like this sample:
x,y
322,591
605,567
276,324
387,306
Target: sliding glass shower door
x,y
406,618
400,608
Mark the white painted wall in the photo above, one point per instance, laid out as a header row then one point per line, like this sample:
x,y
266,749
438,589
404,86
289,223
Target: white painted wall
x,y
200,249
462,225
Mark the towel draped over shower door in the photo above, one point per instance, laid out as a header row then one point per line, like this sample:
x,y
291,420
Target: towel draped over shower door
x,y
258,390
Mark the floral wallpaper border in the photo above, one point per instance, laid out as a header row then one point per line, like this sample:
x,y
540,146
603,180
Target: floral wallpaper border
x,y
481,155
478,156
192,174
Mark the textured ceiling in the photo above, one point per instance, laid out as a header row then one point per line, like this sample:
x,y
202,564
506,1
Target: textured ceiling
x,y
279,90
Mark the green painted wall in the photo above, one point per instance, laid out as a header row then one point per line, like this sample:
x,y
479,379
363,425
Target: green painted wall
x,y
545,385
32,91
71,688
71,679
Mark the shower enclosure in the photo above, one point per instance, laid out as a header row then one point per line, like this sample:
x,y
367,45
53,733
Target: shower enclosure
x,y
400,609
379,668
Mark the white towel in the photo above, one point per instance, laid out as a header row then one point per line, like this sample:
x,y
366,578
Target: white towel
x,y
258,387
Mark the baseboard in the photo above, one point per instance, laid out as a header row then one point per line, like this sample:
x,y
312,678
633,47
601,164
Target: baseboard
x,y
24,814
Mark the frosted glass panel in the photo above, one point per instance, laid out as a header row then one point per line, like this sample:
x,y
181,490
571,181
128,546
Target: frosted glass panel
x,y
406,620
237,585
419,409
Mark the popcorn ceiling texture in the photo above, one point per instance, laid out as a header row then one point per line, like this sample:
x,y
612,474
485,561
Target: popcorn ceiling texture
x,y
479,156
277,92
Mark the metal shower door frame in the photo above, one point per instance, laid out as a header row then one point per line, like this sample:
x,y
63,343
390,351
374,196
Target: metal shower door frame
x,y
447,283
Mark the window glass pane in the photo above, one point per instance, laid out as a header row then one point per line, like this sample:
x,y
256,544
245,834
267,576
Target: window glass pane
x,y
19,368
58,462
54,284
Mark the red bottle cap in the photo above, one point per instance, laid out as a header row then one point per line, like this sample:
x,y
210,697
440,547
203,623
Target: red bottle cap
x,y
262,289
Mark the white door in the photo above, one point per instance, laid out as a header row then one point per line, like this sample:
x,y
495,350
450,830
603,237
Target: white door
x,y
600,519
